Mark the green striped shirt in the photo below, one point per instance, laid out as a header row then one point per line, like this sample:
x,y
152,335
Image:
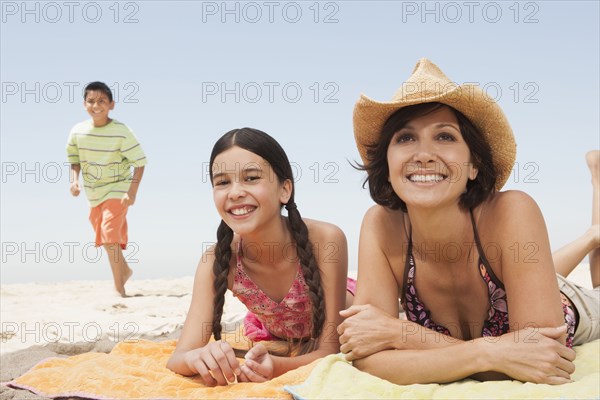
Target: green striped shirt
x,y
107,155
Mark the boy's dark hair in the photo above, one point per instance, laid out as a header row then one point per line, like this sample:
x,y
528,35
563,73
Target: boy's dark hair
x,y
98,86
265,146
377,167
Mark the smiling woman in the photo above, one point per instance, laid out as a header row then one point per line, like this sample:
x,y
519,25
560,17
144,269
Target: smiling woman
x,y
442,240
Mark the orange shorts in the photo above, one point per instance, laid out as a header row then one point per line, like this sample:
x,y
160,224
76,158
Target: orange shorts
x,y
109,222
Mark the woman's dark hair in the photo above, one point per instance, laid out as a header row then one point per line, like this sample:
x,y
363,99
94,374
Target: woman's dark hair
x,y
378,170
100,87
265,146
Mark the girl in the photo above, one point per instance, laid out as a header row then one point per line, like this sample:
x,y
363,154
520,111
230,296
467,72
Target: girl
x,y
289,272
443,239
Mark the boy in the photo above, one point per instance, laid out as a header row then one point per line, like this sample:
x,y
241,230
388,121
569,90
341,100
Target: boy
x,y
104,150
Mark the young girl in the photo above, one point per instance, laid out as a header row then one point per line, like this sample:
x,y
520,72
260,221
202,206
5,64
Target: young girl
x,y
289,272
444,239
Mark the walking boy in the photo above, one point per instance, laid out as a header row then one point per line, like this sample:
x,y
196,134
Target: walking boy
x,y
104,150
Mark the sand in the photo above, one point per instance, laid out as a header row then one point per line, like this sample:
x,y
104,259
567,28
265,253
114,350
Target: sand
x,y
68,318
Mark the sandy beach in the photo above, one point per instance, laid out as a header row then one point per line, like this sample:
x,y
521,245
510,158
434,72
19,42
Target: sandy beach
x,y
41,320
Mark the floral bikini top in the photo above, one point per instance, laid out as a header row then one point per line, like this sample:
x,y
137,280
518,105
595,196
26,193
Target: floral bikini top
x,y
291,318
496,323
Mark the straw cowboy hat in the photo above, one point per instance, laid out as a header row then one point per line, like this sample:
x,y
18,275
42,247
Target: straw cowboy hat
x,y
429,84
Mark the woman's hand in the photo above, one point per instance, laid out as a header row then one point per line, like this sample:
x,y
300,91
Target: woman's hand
x,y
258,366
365,331
534,355
215,362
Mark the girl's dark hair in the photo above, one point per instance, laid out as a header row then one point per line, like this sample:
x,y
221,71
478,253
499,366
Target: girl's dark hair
x,y
100,87
377,167
265,146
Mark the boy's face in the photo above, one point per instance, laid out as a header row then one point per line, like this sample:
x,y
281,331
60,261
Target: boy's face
x,y
98,105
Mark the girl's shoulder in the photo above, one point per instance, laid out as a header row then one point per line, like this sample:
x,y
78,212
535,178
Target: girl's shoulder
x,y
324,231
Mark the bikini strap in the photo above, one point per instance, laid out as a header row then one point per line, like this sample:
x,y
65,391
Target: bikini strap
x,y
238,256
482,258
406,265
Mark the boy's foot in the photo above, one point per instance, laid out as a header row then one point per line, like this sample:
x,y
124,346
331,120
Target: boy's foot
x,y
121,291
592,158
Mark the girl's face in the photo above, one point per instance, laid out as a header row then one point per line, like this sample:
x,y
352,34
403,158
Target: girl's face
x,y
246,190
429,161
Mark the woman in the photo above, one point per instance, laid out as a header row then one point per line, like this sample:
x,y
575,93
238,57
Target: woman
x,y
471,265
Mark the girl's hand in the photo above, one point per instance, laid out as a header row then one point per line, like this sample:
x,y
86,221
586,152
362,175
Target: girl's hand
x,y
364,332
215,362
258,366
534,355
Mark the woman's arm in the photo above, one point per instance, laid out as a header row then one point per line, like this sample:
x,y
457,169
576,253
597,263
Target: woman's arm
x,y
525,262
372,324
526,355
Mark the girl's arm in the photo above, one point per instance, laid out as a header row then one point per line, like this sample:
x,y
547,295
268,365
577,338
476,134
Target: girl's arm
x,y
331,252
214,361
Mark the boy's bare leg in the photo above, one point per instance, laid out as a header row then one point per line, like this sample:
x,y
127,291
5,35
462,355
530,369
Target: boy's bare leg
x,y
120,269
593,161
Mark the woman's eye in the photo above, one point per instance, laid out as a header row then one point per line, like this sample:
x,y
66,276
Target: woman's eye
x,y
252,178
403,138
446,137
221,182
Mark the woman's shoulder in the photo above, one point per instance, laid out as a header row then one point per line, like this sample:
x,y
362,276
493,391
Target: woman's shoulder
x,y
507,212
510,202
383,219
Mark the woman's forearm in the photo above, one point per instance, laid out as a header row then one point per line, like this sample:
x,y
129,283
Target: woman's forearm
x,y
412,336
442,365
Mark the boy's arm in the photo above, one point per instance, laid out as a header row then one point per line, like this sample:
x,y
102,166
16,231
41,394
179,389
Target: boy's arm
x,y
74,181
129,197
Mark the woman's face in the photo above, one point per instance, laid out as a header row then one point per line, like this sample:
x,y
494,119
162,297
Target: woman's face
x,y
429,161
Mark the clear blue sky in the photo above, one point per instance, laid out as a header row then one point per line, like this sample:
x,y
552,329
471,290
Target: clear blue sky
x,y
185,72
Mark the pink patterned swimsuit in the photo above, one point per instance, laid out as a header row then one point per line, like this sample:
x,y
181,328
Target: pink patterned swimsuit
x,y
291,318
497,322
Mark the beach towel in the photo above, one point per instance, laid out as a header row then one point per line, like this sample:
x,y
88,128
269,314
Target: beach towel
x,y
136,370
334,378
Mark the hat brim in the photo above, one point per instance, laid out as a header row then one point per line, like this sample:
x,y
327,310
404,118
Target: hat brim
x,y
370,116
